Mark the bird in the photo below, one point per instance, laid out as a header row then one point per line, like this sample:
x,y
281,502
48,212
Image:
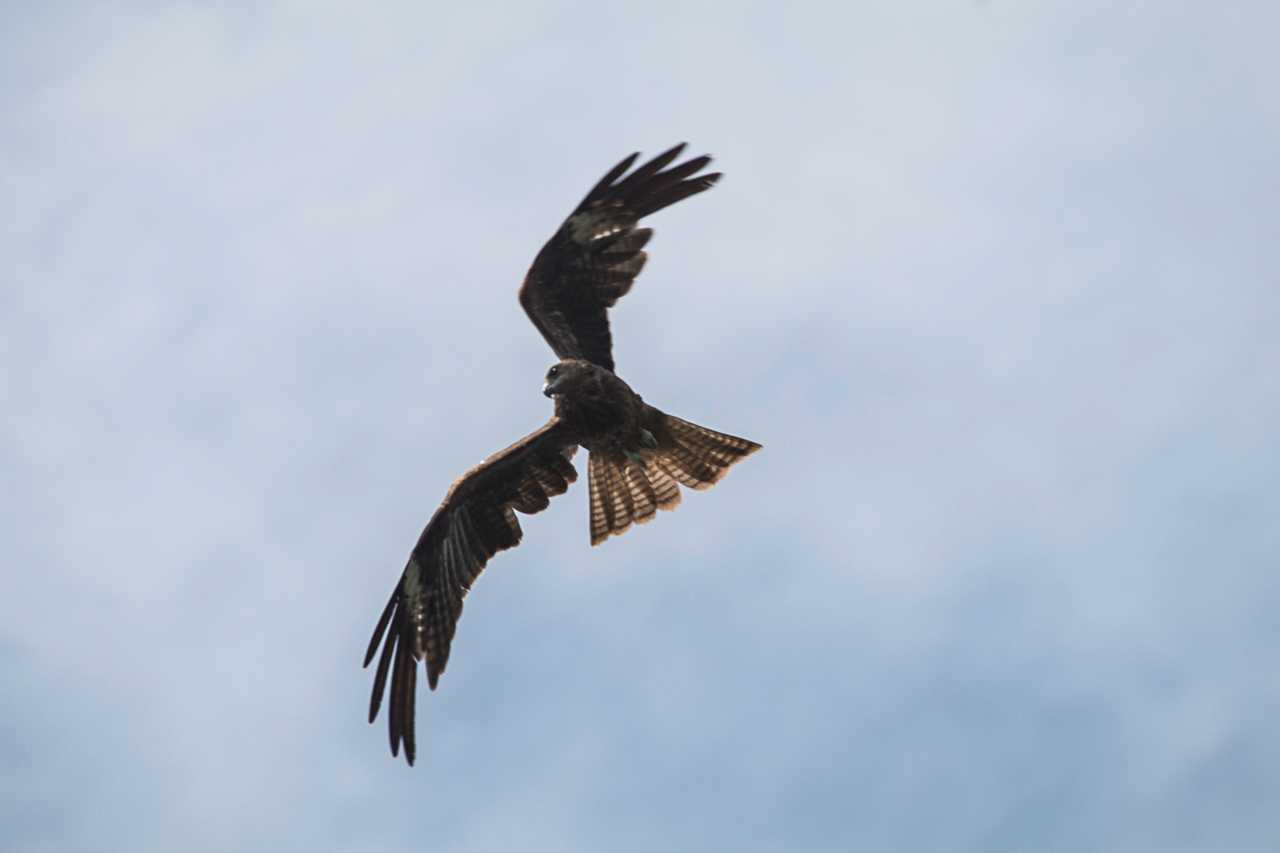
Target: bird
x,y
638,455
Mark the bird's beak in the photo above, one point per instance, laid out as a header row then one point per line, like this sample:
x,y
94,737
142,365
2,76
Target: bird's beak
x,y
549,387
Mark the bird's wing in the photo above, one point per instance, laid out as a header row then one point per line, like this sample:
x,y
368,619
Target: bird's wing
x,y
594,257
475,521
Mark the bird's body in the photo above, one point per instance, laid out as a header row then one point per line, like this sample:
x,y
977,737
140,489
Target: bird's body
x,y
597,406
638,454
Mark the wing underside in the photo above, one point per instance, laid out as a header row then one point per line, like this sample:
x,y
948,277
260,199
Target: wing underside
x,y
476,520
595,256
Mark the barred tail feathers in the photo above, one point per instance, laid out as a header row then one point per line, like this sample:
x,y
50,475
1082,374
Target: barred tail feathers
x,y
625,492
696,456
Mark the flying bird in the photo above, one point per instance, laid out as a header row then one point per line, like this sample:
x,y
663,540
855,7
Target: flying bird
x,y
638,455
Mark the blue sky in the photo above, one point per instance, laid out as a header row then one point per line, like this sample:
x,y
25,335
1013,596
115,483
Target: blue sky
x,y
993,283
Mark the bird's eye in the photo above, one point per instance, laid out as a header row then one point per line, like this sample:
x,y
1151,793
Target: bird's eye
x,y
554,370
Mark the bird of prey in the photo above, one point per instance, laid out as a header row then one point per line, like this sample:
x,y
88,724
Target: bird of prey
x,y
638,456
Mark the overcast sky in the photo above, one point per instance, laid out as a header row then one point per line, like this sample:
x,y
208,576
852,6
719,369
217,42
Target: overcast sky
x,y
994,283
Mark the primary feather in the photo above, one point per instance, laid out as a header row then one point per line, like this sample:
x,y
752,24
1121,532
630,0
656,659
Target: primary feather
x,y
475,521
594,257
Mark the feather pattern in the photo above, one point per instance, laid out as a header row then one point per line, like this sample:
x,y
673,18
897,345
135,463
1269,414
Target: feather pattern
x,y
476,520
696,456
624,492
593,259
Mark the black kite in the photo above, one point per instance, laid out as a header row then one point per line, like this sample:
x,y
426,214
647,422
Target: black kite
x,y
637,453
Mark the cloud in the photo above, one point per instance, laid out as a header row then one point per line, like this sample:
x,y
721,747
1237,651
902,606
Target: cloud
x,y
991,284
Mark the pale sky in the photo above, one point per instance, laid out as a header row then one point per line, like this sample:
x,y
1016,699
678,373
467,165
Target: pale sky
x,y
994,283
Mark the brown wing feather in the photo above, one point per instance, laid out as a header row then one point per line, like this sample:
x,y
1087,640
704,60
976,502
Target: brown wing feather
x,y
594,258
475,521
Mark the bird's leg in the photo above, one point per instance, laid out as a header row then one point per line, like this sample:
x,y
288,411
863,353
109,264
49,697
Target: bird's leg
x,y
647,441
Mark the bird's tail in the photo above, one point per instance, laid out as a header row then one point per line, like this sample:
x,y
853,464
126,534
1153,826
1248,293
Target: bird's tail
x,y
630,489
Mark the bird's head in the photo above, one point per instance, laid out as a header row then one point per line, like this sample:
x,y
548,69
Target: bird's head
x,y
571,376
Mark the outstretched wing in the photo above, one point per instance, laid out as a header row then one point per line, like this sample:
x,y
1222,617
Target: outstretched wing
x,y
595,256
475,521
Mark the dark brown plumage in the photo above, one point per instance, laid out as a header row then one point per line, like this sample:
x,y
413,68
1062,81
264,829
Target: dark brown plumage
x,y
475,521
595,256
639,455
